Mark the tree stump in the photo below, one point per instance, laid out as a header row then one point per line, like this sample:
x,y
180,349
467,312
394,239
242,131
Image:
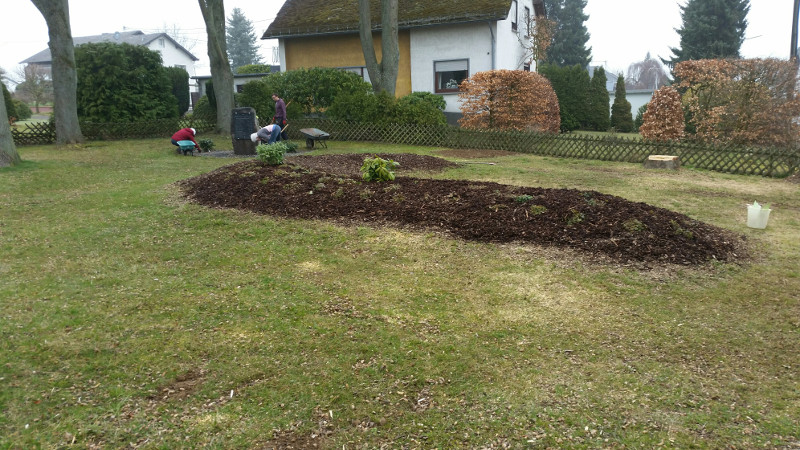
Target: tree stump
x,y
662,162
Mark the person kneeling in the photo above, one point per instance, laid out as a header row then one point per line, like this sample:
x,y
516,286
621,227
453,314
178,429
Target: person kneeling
x,y
270,134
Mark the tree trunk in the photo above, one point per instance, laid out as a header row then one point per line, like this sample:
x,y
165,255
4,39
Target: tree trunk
x,y
8,152
383,75
65,77
221,74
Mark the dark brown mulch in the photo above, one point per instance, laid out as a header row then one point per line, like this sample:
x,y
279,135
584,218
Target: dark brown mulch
x,y
329,188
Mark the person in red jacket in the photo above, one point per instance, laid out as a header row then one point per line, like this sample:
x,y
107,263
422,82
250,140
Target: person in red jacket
x,y
185,134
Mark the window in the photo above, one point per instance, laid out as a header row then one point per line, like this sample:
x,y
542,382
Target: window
x,y
527,18
449,74
526,67
180,66
514,15
162,43
360,71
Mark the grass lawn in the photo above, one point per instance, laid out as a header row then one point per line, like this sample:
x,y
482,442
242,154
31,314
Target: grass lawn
x,y
130,318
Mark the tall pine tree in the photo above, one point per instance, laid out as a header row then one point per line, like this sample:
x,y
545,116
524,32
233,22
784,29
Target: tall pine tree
x,y
597,117
570,37
711,29
242,47
621,115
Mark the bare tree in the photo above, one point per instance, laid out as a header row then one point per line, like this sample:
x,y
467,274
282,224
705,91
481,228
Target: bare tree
x,y
536,39
221,74
34,84
180,37
8,152
647,74
383,75
65,77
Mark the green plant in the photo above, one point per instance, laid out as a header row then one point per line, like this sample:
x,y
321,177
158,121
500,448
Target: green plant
x,y
378,169
272,154
680,231
537,209
634,225
290,146
523,198
206,144
575,217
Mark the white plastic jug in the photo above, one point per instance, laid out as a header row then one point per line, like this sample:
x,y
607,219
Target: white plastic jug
x,y
757,216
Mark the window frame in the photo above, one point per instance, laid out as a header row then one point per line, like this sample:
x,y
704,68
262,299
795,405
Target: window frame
x,y
515,15
526,16
437,79
358,70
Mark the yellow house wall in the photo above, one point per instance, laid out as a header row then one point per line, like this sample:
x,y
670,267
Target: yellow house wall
x,y
345,51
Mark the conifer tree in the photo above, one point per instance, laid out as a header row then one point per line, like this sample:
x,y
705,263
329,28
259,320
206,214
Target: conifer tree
x,y
242,47
712,29
571,85
598,115
621,115
570,36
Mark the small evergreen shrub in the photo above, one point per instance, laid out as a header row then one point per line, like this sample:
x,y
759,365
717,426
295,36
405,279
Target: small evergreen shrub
x,y
23,111
378,169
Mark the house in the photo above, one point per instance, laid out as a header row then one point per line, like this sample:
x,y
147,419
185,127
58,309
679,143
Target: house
x,y
441,42
239,80
172,53
636,97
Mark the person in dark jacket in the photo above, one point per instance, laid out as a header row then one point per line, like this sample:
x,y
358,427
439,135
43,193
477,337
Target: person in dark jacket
x,y
185,134
280,114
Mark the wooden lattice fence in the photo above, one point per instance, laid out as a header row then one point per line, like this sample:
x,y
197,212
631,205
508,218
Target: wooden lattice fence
x,y
43,133
765,161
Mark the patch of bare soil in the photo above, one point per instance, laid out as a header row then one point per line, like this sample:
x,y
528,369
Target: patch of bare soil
x,y
474,153
329,187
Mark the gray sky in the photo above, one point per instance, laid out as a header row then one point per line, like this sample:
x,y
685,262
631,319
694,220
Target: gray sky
x,y
622,31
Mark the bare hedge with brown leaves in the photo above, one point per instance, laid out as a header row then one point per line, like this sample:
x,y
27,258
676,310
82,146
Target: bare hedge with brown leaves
x,y
750,101
663,119
509,100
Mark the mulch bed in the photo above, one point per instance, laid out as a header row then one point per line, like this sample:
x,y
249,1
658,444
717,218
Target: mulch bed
x,y
329,187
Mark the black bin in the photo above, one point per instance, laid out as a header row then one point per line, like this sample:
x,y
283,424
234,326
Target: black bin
x,y
243,124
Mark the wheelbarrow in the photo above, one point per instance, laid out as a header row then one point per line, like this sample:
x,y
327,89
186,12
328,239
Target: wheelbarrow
x,y
313,135
187,147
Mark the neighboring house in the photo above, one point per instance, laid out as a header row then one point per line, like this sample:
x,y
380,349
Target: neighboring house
x,y
172,53
239,80
441,42
636,97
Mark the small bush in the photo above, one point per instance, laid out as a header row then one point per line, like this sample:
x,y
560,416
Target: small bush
x,y
421,108
272,154
663,120
203,110
23,111
378,169
206,144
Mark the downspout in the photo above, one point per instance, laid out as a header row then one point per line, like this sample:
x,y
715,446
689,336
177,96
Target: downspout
x,y
494,44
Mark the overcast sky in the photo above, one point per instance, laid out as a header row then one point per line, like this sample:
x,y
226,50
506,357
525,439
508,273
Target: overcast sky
x,y
622,31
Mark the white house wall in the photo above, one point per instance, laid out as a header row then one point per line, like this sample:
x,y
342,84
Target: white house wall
x,y
637,99
448,42
487,45
171,56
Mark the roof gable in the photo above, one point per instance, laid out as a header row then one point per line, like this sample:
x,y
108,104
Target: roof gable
x,y
308,17
129,37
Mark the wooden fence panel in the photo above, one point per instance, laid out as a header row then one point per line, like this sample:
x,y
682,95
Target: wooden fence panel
x,y
764,161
